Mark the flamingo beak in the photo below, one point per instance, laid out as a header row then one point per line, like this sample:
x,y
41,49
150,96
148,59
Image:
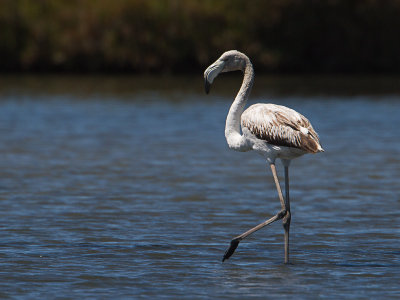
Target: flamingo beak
x,y
207,86
211,73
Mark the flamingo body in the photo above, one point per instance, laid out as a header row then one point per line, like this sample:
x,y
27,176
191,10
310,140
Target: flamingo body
x,y
279,131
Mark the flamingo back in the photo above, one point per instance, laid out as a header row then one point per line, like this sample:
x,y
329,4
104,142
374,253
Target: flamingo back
x,y
281,126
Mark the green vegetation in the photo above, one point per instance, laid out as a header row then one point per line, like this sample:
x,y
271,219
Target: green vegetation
x,y
186,35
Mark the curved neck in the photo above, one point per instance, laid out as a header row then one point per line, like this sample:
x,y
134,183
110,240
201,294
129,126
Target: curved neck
x,y
232,127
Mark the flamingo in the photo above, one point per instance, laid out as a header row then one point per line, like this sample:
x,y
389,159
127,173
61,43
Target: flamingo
x,y
273,131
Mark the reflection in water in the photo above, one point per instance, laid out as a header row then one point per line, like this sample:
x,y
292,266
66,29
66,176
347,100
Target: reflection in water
x,y
108,186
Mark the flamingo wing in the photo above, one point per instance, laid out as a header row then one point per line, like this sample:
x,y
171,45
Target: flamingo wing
x,y
281,126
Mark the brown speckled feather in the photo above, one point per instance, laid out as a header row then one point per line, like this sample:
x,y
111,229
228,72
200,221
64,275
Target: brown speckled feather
x,y
281,126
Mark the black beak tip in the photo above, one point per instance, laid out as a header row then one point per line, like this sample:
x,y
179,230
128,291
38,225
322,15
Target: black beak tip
x,y
207,86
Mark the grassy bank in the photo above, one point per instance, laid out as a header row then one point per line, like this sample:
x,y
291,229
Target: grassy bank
x,y
186,35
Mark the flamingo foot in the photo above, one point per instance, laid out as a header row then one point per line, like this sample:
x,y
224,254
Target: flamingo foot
x,y
231,249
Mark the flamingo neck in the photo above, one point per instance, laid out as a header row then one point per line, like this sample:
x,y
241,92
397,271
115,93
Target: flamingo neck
x,y
233,134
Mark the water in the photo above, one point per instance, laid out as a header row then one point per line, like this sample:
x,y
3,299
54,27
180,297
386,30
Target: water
x,y
125,188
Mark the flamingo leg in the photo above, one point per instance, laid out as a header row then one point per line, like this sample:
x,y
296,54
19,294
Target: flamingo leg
x,y
287,217
280,215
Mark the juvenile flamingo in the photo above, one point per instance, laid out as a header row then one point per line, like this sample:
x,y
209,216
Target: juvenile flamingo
x,y
274,131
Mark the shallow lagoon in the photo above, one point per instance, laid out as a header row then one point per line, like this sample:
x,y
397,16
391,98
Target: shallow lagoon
x,y
124,187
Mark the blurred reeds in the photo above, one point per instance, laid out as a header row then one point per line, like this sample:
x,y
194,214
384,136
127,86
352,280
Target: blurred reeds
x,y
296,36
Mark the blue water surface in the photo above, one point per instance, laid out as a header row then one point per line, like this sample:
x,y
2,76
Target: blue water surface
x,y
135,194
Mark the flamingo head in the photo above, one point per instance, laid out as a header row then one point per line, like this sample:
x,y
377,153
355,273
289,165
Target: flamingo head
x,y
232,60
